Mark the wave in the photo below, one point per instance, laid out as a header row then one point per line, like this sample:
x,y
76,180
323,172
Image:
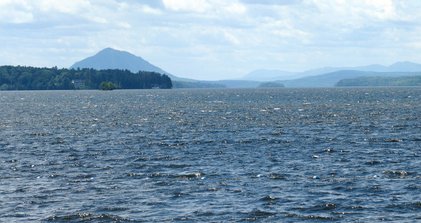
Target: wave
x,y
88,217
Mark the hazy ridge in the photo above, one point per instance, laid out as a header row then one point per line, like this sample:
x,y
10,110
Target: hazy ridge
x,y
109,58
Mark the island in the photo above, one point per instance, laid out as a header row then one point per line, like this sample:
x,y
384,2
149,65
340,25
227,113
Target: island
x,y
107,86
272,84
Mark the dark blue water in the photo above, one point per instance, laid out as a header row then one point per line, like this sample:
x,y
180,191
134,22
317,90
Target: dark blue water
x,y
281,155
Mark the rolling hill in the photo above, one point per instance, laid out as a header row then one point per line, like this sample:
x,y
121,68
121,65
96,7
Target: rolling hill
x,y
374,81
331,79
279,75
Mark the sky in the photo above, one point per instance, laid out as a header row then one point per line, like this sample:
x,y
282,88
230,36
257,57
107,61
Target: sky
x,y
213,39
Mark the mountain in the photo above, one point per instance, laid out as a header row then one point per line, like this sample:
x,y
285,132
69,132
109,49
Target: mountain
x,y
109,58
269,75
238,83
331,79
414,80
324,80
405,66
272,75
217,84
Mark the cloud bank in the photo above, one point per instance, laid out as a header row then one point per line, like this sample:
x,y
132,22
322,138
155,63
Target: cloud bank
x,y
213,39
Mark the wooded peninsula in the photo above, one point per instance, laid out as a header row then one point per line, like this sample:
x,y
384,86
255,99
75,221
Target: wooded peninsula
x,y
33,78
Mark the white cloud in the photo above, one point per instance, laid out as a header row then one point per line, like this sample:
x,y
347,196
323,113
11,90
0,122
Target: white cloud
x,y
272,2
235,8
197,6
354,14
382,9
17,12
286,29
68,7
28,11
17,17
149,10
234,37
206,7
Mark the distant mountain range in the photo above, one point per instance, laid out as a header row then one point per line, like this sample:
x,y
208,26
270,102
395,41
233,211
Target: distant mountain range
x,y
331,79
109,58
277,75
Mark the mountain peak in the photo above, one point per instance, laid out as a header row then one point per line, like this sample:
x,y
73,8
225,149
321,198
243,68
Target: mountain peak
x,y
406,66
403,62
110,58
110,50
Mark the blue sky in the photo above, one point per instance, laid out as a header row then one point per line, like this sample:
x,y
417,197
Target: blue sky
x,y
213,39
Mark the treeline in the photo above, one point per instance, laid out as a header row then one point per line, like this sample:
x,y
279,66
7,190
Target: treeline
x,y
380,81
272,84
32,78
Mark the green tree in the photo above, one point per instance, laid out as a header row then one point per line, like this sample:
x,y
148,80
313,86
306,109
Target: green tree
x,y
107,86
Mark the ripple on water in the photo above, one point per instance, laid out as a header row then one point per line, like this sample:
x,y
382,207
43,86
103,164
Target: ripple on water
x,y
396,174
87,217
257,214
266,155
405,207
301,217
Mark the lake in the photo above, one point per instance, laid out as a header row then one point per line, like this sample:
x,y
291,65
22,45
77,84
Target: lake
x,y
222,155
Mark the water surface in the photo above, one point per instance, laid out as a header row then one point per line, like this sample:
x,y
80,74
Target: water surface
x,y
266,155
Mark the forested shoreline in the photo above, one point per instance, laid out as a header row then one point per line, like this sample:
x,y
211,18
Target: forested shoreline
x,y
377,81
33,78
